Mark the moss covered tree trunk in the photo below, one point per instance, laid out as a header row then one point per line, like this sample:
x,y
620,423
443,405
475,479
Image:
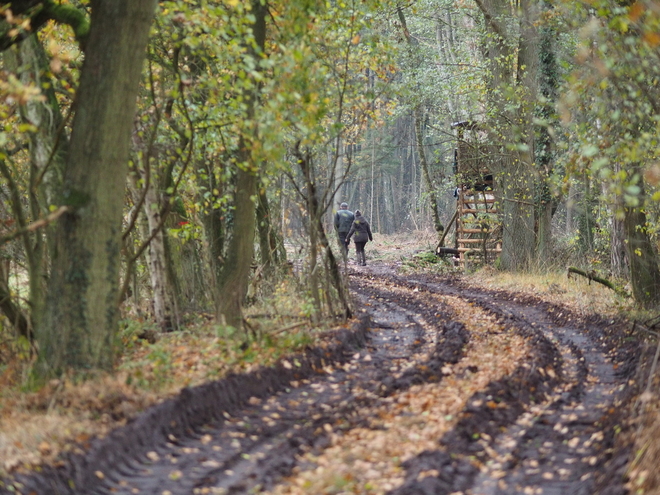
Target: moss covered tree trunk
x,y
82,306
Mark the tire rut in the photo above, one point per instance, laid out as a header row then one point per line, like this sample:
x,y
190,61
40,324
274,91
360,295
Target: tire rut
x,y
556,446
257,441
239,455
536,430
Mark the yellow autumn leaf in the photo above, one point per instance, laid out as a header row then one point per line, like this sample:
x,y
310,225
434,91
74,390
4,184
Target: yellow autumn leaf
x,y
652,39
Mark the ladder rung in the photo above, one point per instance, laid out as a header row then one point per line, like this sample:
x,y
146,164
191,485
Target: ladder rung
x,y
472,210
473,250
474,231
471,241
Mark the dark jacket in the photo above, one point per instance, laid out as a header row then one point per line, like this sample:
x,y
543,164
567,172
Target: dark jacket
x,y
361,230
344,220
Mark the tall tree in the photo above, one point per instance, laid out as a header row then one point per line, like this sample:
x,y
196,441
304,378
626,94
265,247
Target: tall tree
x,y
545,149
418,116
82,314
510,47
612,108
233,283
48,147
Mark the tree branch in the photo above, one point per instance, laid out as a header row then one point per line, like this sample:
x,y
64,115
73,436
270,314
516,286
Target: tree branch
x,y
39,13
490,18
37,224
592,276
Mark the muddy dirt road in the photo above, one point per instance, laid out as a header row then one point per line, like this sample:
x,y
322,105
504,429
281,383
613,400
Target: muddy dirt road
x,y
438,388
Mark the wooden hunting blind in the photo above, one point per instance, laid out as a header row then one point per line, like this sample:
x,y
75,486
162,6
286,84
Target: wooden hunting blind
x,y
478,228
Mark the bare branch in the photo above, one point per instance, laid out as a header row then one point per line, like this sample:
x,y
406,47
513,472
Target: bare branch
x,y
37,224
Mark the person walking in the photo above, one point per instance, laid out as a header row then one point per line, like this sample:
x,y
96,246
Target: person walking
x,y
343,221
363,235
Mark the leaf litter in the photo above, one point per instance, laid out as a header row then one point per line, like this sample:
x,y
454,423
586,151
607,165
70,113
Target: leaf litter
x,y
368,460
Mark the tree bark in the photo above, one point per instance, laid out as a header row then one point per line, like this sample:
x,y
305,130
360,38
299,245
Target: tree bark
x,y
161,284
268,241
236,271
548,75
642,258
511,130
233,284
82,314
618,251
212,220
430,188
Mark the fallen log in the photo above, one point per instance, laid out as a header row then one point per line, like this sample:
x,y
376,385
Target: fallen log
x,y
441,251
603,281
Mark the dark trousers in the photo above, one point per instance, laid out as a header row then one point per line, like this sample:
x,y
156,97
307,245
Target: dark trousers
x,y
342,242
359,249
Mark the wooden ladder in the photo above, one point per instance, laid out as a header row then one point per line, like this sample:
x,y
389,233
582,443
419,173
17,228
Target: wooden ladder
x,y
473,240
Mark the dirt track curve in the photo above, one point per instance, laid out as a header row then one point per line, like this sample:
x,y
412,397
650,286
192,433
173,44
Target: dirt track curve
x,y
548,425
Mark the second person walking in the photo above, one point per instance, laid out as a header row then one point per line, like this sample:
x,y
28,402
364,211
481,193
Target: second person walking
x,y
362,232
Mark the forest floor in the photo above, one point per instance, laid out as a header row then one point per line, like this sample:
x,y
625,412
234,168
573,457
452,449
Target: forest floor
x,y
444,383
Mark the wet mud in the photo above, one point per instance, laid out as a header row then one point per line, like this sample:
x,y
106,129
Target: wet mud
x,y
555,436
548,427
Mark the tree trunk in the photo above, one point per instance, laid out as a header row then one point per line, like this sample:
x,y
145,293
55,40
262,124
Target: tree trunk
x,y
267,252
236,271
318,237
161,285
233,285
544,232
187,268
214,228
548,75
618,251
11,311
82,305
428,183
518,239
644,273
513,125
585,219
48,151
419,137
162,291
